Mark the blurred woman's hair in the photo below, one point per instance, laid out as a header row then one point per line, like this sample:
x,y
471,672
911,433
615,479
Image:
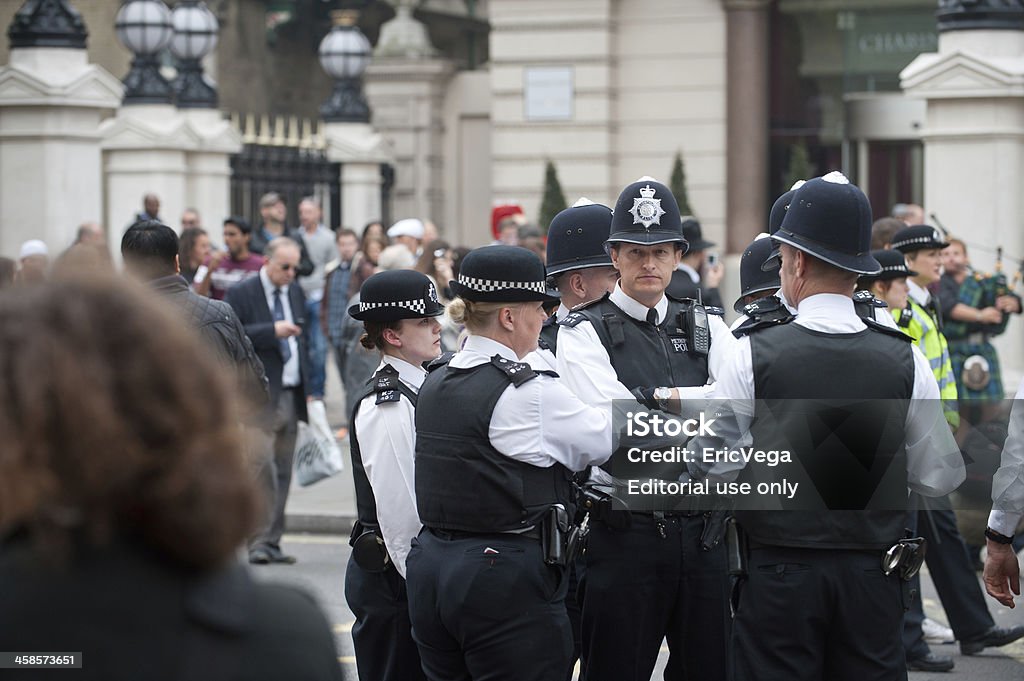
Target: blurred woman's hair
x,y
186,244
116,425
431,251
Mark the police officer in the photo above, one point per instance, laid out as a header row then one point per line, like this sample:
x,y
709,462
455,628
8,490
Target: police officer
x,y
578,265
947,559
399,310
496,444
815,604
648,574
756,282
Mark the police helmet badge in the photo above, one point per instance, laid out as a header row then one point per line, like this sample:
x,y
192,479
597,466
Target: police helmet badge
x,y
647,210
432,292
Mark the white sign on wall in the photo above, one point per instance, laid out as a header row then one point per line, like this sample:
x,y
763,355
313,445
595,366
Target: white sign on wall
x,y
548,93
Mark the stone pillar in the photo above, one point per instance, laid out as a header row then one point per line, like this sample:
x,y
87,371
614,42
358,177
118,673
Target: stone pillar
x,y
145,150
360,151
51,103
974,139
406,85
746,121
208,166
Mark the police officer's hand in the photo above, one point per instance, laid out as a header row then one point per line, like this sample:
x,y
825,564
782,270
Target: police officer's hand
x,y
1002,573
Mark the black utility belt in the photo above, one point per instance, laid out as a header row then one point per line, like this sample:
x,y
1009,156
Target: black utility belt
x,y
533,533
368,550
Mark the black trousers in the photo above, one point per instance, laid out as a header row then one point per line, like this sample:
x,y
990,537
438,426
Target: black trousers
x,y
382,634
818,615
954,578
487,608
640,588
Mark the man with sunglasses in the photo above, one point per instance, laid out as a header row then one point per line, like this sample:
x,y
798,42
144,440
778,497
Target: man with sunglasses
x,y
271,309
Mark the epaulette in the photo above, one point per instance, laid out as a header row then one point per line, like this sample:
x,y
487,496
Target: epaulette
x,y
717,311
440,361
386,384
763,313
574,317
864,304
895,333
517,372
543,344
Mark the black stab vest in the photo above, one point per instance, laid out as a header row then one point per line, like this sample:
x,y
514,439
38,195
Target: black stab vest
x,y
462,482
847,438
549,335
645,356
378,384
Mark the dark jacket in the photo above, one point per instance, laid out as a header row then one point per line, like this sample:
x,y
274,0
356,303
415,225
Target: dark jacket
x,y
258,244
221,330
134,615
250,303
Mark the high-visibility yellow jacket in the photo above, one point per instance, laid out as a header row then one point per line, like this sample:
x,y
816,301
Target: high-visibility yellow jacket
x,y
924,329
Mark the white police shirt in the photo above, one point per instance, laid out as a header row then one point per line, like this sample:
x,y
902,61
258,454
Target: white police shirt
x,y
541,422
883,315
1008,482
387,442
934,464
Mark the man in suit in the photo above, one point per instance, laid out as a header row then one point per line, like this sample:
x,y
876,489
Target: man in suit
x,y
271,309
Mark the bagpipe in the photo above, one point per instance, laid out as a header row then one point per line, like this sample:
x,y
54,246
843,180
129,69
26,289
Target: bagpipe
x,y
993,284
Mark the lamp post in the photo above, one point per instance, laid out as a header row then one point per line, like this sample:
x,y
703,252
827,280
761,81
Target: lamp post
x,y
47,23
344,55
195,36
144,27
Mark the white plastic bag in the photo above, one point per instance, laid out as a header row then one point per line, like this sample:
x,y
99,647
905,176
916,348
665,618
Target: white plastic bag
x,y
317,455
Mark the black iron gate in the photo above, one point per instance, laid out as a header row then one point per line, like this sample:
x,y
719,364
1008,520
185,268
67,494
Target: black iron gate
x,y
292,172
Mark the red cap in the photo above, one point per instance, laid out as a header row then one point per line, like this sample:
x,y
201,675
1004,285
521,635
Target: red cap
x,y
499,213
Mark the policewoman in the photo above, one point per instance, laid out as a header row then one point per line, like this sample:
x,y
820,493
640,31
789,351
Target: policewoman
x,y
399,311
922,246
496,445
649,575
816,603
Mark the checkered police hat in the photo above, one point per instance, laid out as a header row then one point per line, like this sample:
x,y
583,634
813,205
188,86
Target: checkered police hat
x,y
894,266
646,212
396,294
917,238
501,274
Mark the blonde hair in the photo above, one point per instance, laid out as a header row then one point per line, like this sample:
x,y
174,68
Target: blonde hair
x,y
475,316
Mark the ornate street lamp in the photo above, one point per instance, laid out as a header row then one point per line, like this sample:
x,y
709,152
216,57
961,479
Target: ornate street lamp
x,y
144,27
47,23
344,55
972,15
195,36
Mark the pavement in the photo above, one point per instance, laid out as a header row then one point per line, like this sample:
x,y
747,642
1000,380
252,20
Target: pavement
x,y
328,506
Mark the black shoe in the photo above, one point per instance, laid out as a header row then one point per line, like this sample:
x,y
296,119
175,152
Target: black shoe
x,y
283,559
931,663
259,557
993,638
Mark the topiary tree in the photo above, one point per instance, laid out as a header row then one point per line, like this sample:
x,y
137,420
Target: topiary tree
x,y
677,183
799,167
554,200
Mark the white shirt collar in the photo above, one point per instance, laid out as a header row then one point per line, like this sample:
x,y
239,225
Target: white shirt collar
x,y
480,349
919,294
268,286
694,274
408,373
561,312
832,312
637,310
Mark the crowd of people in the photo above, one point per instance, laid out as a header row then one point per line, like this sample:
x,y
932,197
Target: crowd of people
x,y
480,388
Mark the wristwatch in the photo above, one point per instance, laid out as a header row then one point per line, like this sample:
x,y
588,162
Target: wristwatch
x,y
662,396
989,532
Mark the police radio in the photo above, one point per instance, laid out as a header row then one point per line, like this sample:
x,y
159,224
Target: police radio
x,y
697,327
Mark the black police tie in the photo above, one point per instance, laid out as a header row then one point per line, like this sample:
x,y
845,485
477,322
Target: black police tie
x,y
286,352
652,317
